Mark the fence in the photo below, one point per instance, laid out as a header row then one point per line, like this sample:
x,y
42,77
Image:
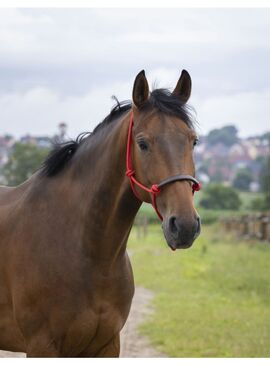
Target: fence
x,y
249,226
141,224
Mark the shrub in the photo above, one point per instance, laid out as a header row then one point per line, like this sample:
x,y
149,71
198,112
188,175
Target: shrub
x,y
209,216
217,196
261,204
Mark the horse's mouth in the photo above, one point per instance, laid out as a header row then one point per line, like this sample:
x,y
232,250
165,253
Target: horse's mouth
x,y
180,243
175,246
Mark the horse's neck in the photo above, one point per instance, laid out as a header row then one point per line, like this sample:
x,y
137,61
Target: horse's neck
x,y
109,206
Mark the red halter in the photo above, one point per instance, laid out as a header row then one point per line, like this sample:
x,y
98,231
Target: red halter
x,y
156,188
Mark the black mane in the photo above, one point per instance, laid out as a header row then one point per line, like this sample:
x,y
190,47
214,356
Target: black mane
x,y
60,155
160,99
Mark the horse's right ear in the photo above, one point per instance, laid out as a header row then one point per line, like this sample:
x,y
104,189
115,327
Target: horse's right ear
x,y
140,92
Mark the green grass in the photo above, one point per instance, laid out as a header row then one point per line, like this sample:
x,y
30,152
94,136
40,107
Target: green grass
x,y
212,300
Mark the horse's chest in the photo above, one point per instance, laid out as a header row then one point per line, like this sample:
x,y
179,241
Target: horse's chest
x,y
104,317
94,328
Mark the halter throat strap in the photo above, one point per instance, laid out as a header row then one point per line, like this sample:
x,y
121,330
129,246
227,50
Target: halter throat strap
x,y
155,188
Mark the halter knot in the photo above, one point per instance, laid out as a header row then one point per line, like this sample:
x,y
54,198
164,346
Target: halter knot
x,y
130,173
155,189
196,187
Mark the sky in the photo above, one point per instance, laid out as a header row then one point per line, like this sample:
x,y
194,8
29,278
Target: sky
x,y
65,64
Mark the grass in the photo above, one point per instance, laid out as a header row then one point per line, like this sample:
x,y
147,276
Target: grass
x,y
212,300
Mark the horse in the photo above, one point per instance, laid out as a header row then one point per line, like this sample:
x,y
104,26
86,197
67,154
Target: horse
x,y
66,282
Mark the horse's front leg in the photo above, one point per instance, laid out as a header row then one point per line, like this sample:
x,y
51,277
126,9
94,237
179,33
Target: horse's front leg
x,y
111,349
42,345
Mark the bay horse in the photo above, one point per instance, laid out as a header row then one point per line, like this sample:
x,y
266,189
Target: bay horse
x,y
66,282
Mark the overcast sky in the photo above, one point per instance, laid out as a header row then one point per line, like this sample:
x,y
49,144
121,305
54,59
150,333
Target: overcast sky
x,y
64,64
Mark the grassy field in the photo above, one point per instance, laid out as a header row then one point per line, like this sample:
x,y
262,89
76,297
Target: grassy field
x,y
212,300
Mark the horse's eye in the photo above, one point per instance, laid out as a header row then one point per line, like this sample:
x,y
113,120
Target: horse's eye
x,y
195,142
143,145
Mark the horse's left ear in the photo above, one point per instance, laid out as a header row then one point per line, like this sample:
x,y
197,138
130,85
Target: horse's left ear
x,y
183,87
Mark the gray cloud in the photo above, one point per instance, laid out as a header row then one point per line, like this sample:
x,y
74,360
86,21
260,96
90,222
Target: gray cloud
x,y
60,64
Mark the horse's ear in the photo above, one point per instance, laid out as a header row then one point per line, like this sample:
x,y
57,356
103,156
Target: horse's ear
x,y
183,87
140,92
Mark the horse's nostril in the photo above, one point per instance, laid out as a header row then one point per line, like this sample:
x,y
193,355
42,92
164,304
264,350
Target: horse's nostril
x,y
172,225
177,227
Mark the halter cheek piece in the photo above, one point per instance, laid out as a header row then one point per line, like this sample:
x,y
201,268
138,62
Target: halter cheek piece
x,y
156,188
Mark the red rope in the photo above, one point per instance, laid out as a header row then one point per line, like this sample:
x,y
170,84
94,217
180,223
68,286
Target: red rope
x,y
130,173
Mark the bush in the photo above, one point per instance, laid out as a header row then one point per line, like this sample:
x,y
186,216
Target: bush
x,y
209,216
261,204
217,196
266,202
256,204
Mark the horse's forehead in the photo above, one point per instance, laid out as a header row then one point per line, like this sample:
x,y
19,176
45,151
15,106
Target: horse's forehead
x,y
158,124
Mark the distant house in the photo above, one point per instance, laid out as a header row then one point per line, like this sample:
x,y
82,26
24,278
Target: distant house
x,y
214,162
219,162
45,141
41,141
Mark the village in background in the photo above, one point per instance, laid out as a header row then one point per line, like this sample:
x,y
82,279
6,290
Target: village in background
x,y
220,156
234,171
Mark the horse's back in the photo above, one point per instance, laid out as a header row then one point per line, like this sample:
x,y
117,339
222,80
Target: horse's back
x,y
12,194
4,193
9,199
9,194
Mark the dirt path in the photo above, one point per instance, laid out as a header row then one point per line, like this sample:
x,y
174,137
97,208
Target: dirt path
x,y
132,343
11,354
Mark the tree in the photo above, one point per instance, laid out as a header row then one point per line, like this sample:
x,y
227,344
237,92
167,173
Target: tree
x,y
24,160
226,135
217,196
265,176
266,136
217,176
242,179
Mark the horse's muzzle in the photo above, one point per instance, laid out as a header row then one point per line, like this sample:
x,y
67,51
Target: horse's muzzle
x,y
181,233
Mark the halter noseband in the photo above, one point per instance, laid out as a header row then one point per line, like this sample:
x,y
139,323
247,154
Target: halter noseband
x,y
156,188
